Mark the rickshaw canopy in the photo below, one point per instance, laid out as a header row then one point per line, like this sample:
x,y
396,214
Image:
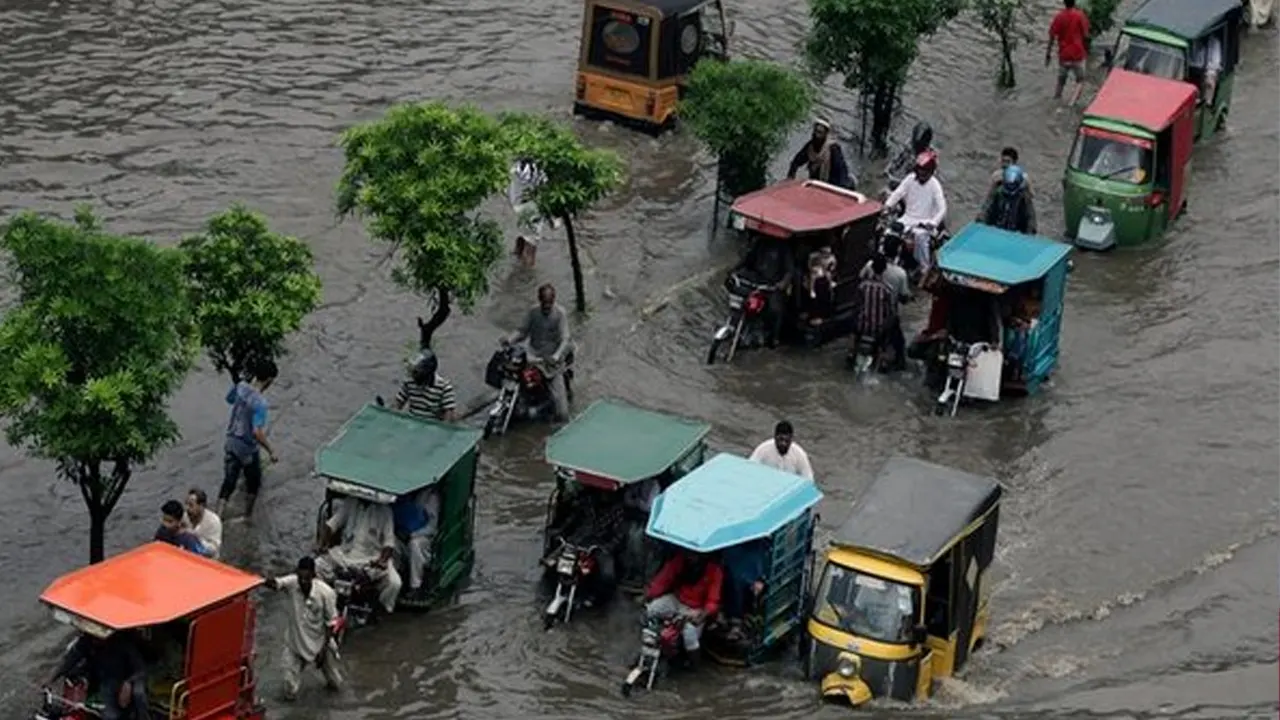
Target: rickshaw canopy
x,y
149,585
666,8
388,453
728,501
1187,19
1146,101
1000,256
796,207
623,443
915,510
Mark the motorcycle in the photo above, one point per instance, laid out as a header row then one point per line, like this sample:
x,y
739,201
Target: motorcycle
x,y
573,565
660,640
69,704
524,389
892,231
958,359
747,303
357,597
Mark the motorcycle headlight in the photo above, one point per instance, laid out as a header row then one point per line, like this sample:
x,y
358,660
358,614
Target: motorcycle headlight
x,y
847,669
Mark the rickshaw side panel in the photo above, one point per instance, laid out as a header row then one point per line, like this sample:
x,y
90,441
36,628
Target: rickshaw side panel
x,y
455,538
1043,341
219,648
787,574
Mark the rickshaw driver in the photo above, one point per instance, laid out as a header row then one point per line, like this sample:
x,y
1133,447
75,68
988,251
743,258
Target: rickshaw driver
x,y
596,518
546,328
771,263
824,157
115,666
415,516
368,541
689,584
924,206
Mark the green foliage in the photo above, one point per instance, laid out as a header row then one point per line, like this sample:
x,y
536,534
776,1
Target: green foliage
x,y
1101,14
250,287
743,111
1001,18
418,175
577,177
871,43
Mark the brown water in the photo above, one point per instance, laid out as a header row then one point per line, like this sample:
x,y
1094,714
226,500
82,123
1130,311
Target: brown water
x,y
1138,553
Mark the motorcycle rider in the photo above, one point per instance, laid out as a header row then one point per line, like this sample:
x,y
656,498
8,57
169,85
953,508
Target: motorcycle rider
x,y
366,531
771,263
824,157
925,207
1010,205
546,327
921,140
689,584
114,665
596,519
426,393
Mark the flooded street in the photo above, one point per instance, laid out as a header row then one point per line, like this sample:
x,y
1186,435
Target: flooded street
x,y
1136,570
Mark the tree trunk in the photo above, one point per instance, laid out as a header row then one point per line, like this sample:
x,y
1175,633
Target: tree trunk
x,y
100,497
882,105
1007,79
427,328
580,293
97,534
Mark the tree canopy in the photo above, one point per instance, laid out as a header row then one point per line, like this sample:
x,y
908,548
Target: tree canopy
x,y
743,111
1001,18
250,288
1102,16
100,337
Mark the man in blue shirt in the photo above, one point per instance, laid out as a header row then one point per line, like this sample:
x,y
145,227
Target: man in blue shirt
x,y
416,516
172,532
246,433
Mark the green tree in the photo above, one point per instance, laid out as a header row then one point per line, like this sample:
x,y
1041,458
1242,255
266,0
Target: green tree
x,y
1102,16
99,338
742,111
577,177
1001,18
418,176
872,43
250,288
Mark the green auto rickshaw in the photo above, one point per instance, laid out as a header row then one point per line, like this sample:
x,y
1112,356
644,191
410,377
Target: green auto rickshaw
x,y
1126,177
1189,40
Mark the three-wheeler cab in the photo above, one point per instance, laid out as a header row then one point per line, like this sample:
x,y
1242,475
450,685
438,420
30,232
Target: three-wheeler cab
x,y
902,599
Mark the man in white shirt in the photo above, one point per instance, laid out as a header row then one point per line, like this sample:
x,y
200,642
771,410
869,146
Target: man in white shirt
x,y
925,206
203,522
366,531
1206,56
313,613
782,454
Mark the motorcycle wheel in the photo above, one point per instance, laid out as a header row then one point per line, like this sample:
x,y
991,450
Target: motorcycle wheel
x,y
548,621
626,690
955,402
713,352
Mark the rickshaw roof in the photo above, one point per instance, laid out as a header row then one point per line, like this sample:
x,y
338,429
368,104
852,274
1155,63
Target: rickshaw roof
x,y
915,509
1147,101
1188,19
805,206
1009,258
727,501
623,443
149,585
394,452
667,8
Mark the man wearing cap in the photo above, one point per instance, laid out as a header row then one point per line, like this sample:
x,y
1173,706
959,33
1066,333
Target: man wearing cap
x,y
824,157
313,614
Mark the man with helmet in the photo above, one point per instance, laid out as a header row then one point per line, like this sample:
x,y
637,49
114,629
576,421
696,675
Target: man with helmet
x,y
1010,205
824,157
921,140
924,206
426,393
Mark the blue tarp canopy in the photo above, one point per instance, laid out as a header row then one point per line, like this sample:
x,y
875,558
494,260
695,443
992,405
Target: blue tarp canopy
x,y
727,501
1001,256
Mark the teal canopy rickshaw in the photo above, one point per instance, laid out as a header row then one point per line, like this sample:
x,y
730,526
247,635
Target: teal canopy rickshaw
x,y
759,523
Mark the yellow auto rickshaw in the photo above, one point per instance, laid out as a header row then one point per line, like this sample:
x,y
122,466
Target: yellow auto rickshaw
x,y
635,54
902,600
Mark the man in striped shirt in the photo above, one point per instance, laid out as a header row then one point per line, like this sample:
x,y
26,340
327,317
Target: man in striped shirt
x,y
876,313
425,393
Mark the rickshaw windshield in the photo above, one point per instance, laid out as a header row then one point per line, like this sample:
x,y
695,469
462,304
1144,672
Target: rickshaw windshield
x,y
619,41
1141,55
1112,156
866,605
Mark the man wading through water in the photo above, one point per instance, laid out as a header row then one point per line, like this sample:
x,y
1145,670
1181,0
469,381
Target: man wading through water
x,y
247,436
823,156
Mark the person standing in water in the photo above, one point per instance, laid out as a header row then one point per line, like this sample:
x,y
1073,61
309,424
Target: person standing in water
x,y
247,436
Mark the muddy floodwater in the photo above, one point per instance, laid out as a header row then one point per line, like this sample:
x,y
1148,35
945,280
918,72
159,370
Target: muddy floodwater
x,y
1136,569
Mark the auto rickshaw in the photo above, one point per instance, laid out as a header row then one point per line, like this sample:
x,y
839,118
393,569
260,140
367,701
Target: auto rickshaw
x,y
193,622
1126,178
902,599
635,55
620,450
385,456
1170,39
816,237
757,523
996,317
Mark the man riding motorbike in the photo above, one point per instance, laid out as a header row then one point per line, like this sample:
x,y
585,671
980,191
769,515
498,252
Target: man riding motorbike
x,y
366,531
689,584
1009,205
115,667
924,207
771,263
546,328
596,518
921,141
824,157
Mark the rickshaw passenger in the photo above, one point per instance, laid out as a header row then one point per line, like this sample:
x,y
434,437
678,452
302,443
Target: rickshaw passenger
x,y
820,283
744,568
772,264
115,667
595,519
689,584
1206,62
416,517
367,541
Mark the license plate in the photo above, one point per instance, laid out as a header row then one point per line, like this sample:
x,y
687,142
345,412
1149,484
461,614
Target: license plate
x,y
565,565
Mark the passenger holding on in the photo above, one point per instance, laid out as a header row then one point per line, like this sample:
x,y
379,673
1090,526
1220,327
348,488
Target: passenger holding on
x,y
1206,61
1010,206
781,453
924,206
367,541
824,158
688,585
546,328
744,565
417,518
876,313
115,667
820,282
247,435
313,618
172,532
203,522
426,393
